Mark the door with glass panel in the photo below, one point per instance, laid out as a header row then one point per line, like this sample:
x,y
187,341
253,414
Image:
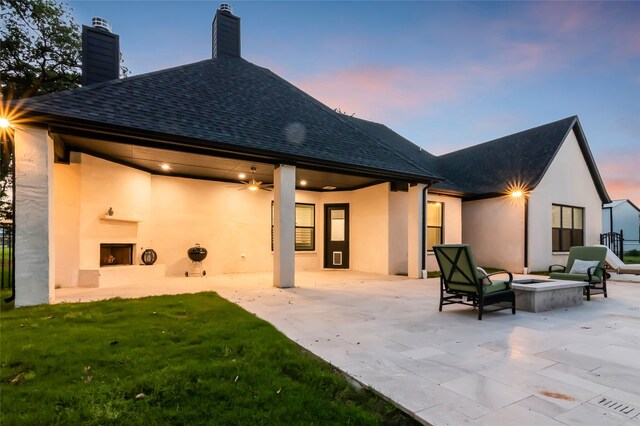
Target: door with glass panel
x,y
336,236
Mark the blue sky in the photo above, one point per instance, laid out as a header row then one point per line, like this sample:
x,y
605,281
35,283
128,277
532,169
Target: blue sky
x,y
443,74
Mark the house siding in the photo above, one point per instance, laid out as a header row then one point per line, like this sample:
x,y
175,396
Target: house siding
x,y
567,182
494,228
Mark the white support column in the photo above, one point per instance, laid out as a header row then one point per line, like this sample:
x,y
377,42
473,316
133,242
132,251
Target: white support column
x,y
35,260
416,231
284,226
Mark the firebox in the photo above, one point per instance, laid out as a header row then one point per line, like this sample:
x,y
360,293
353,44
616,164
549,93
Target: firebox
x,y
116,254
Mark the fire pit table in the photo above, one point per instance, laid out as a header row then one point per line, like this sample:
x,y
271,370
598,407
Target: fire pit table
x,y
538,295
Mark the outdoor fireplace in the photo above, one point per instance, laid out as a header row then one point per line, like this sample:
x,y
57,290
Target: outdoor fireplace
x,y
116,254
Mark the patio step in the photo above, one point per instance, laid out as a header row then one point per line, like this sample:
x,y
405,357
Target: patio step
x,y
111,276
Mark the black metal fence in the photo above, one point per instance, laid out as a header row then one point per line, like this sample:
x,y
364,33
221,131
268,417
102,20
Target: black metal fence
x,y
7,259
615,242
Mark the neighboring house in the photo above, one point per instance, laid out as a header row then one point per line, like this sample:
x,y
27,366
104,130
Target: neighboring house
x,y
180,156
623,215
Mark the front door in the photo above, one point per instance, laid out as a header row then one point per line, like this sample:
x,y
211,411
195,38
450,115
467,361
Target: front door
x,y
336,236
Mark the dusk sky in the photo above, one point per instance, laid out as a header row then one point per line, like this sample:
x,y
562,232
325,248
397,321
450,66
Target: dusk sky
x,y
445,75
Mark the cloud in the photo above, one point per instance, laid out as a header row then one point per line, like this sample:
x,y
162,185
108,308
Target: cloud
x,y
378,92
620,176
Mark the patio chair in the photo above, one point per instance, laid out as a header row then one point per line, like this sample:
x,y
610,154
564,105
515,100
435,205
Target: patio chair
x,y
592,272
460,280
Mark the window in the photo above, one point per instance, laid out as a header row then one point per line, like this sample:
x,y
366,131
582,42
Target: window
x,y
305,227
567,227
434,223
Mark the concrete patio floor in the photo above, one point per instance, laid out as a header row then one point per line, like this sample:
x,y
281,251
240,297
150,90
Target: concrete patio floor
x,y
573,366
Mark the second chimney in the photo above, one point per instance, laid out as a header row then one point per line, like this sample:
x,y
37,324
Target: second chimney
x,y
225,33
100,53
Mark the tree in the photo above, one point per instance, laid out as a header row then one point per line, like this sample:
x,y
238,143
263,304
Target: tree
x,y
41,48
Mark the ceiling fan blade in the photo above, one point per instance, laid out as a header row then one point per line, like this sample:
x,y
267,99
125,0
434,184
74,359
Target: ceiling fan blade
x,y
268,185
243,188
265,189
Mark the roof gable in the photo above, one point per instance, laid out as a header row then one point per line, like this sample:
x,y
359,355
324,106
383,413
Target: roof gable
x,y
227,103
522,158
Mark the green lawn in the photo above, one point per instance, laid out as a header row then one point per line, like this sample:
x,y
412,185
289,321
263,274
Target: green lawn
x,y
631,260
188,359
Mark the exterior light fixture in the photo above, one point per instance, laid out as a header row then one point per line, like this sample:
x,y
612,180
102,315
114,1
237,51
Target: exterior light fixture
x,y
165,167
303,182
329,188
517,193
4,123
242,175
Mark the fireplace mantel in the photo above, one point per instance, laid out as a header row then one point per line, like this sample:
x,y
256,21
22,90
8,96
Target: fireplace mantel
x,y
120,219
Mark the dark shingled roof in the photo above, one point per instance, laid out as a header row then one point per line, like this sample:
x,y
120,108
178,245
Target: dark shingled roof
x,y
397,142
520,158
229,103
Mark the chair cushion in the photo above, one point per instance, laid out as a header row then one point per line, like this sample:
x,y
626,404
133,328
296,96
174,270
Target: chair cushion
x,y
581,266
495,286
568,277
482,275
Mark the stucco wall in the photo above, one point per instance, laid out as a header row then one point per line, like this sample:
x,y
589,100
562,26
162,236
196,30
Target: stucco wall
x,y
67,222
370,229
398,233
127,191
494,228
452,231
567,182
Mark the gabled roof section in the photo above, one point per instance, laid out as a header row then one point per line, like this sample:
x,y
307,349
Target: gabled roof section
x,y
616,203
486,169
227,103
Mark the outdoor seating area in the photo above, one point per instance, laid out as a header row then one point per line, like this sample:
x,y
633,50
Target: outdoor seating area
x,y
584,264
462,282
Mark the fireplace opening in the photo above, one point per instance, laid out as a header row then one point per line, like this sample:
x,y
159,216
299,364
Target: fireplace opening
x,y
116,254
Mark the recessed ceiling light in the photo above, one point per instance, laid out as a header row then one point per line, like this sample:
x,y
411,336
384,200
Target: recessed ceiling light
x,y
329,188
165,167
242,175
303,182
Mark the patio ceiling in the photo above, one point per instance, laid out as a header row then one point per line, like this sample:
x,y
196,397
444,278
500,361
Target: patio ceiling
x,y
202,166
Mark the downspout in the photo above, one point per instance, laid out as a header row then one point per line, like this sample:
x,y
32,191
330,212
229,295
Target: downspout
x,y
424,226
526,235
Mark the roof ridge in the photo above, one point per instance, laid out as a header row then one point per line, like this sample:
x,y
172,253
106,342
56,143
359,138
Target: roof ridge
x,y
392,147
476,146
336,115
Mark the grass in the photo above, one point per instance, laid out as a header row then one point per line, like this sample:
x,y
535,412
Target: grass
x,y
631,260
187,359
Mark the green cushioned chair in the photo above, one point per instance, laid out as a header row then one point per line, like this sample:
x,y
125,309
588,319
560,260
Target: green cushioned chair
x,y
595,276
461,282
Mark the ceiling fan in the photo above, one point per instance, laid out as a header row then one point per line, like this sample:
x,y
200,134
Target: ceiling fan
x,y
254,185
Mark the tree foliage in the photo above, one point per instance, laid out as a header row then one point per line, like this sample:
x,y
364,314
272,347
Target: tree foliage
x,y
41,48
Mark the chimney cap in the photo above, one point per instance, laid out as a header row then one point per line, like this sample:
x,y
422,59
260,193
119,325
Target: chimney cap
x,y
225,7
101,23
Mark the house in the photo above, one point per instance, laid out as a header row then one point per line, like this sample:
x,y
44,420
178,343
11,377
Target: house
x,y
521,201
623,215
190,154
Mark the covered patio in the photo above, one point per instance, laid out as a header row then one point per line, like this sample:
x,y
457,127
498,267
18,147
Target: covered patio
x,y
578,365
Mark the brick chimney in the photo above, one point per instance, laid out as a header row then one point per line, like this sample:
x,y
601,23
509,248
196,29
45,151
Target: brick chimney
x,y
100,52
225,33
